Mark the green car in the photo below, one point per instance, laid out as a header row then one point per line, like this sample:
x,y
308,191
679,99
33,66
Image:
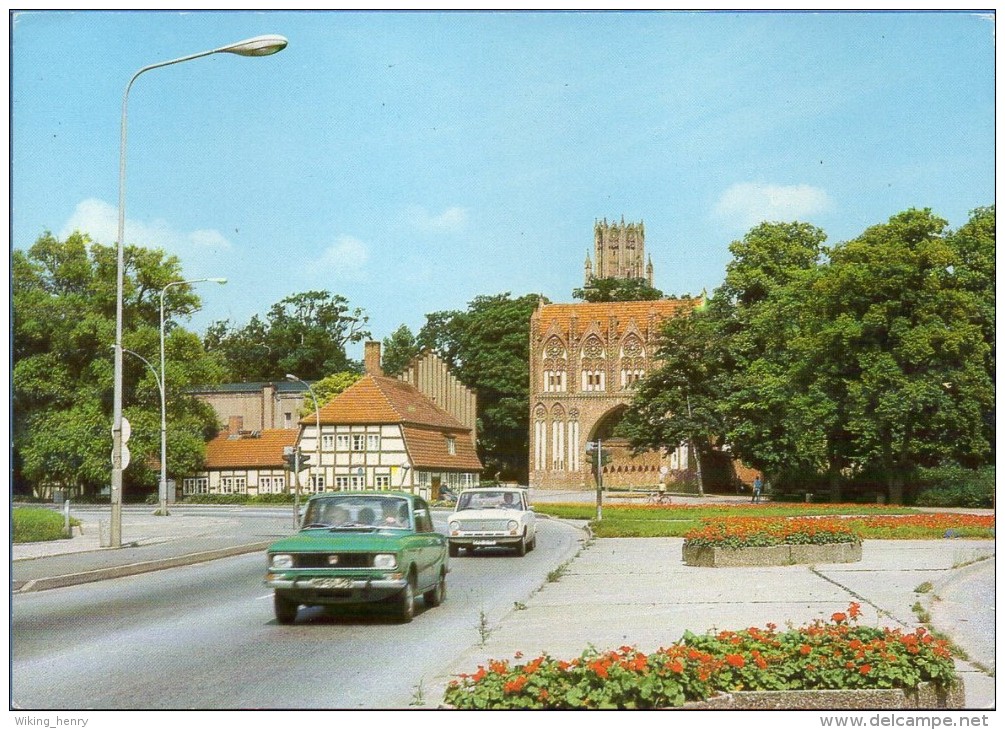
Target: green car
x,y
360,548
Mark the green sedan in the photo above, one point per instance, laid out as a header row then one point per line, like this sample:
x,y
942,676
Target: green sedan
x,y
360,548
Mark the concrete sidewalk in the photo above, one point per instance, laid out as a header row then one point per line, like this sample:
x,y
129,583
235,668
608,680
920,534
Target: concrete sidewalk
x,y
638,592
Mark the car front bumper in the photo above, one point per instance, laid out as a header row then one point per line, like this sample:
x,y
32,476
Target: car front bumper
x,y
315,589
481,540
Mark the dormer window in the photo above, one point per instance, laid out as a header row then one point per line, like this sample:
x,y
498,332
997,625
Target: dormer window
x,y
451,445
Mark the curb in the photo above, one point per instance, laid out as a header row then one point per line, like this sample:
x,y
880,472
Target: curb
x,y
120,571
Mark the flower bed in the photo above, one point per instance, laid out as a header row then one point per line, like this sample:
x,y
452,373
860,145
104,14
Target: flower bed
x,y
756,663
765,541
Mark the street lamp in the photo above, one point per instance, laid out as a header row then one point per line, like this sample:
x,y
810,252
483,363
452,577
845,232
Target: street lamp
x,y
162,490
317,439
259,46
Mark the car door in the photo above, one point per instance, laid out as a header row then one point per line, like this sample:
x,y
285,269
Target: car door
x,y
431,546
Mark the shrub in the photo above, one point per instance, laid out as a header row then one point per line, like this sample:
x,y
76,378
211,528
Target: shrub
x,y
955,486
35,524
837,654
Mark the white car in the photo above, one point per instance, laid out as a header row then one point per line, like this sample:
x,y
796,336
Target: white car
x,y
492,517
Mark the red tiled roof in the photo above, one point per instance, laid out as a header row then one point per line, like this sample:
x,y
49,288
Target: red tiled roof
x,y
246,451
375,399
427,448
588,312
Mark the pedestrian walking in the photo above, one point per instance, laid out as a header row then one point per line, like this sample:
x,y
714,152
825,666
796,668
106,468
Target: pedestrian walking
x,y
757,489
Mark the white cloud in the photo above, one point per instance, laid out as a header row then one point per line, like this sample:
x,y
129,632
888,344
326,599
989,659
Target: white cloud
x,y
344,259
100,221
747,204
451,220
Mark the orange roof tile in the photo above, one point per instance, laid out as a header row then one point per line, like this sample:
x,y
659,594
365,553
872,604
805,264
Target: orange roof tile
x,y
427,448
246,451
588,312
376,399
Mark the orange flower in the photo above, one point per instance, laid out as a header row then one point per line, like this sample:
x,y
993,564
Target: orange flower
x,y
805,649
479,675
676,667
839,618
865,669
735,660
515,685
499,667
854,610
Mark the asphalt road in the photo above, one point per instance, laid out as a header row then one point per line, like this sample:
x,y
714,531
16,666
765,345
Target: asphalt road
x,y
204,637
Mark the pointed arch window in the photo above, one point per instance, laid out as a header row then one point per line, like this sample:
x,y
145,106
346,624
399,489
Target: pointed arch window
x,y
593,360
555,366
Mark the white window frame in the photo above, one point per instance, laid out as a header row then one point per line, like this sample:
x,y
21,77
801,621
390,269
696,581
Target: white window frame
x,y
341,483
195,485
452,445
233,485
316,483
327,442
382,481
271,485
342,442
357,482
358,442
373,442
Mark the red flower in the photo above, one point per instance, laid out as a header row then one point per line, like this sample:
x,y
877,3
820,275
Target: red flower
x,y
735,660
854,610
805,649
839,618
515,686
676,666
865,669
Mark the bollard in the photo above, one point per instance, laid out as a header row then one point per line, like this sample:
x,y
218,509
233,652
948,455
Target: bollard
x,y
66,519
104,534
809,497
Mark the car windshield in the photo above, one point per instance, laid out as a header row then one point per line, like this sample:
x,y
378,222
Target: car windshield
x,y
354,511
489,500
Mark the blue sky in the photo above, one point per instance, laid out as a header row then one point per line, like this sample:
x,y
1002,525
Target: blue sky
x,y
412,161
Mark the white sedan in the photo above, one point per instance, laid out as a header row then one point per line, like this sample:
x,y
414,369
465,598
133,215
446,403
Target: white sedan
x,y
492,517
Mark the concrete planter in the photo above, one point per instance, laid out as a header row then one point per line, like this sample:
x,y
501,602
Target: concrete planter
x,y
926,697
721,557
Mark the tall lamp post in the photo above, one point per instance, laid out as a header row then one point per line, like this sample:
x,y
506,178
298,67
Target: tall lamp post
x,y
162,491
317,437
259,46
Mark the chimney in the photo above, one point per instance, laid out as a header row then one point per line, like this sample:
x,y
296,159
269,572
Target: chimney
x,y
371,358
236,424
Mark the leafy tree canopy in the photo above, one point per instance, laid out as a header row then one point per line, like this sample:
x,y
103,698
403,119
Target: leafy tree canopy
x,y
488,348
304,334
63,333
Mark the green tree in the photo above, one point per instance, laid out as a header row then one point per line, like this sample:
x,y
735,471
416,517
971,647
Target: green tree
x,y
63,331
304,334
488,349
906,335
613,289
399,350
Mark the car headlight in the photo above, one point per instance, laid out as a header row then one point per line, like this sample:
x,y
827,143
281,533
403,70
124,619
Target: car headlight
x,y
512,525
455,525
385,561
280,561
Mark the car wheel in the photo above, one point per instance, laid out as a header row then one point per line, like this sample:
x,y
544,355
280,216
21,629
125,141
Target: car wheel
x,y
521,547
406,601
455,550
286,610
439,593
532,544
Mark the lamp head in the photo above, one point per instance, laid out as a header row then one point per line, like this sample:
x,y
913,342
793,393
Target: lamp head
x,y
263,45
292,378
218,280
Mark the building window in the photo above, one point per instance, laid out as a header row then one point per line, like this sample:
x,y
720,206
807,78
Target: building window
x,y
317,483
196,485
357,482
554,381
593,380
287,420
373,442
234,485
451,445
341,483
342,442
358,442
271,485
382,481
631,378
328,442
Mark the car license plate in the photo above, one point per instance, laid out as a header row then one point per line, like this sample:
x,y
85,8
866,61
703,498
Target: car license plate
x,y
331,583
484,542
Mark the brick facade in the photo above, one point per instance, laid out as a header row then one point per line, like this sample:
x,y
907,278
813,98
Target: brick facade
x,y
584,361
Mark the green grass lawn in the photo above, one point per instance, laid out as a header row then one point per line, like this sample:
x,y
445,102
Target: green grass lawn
x,y
884,522
36,524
